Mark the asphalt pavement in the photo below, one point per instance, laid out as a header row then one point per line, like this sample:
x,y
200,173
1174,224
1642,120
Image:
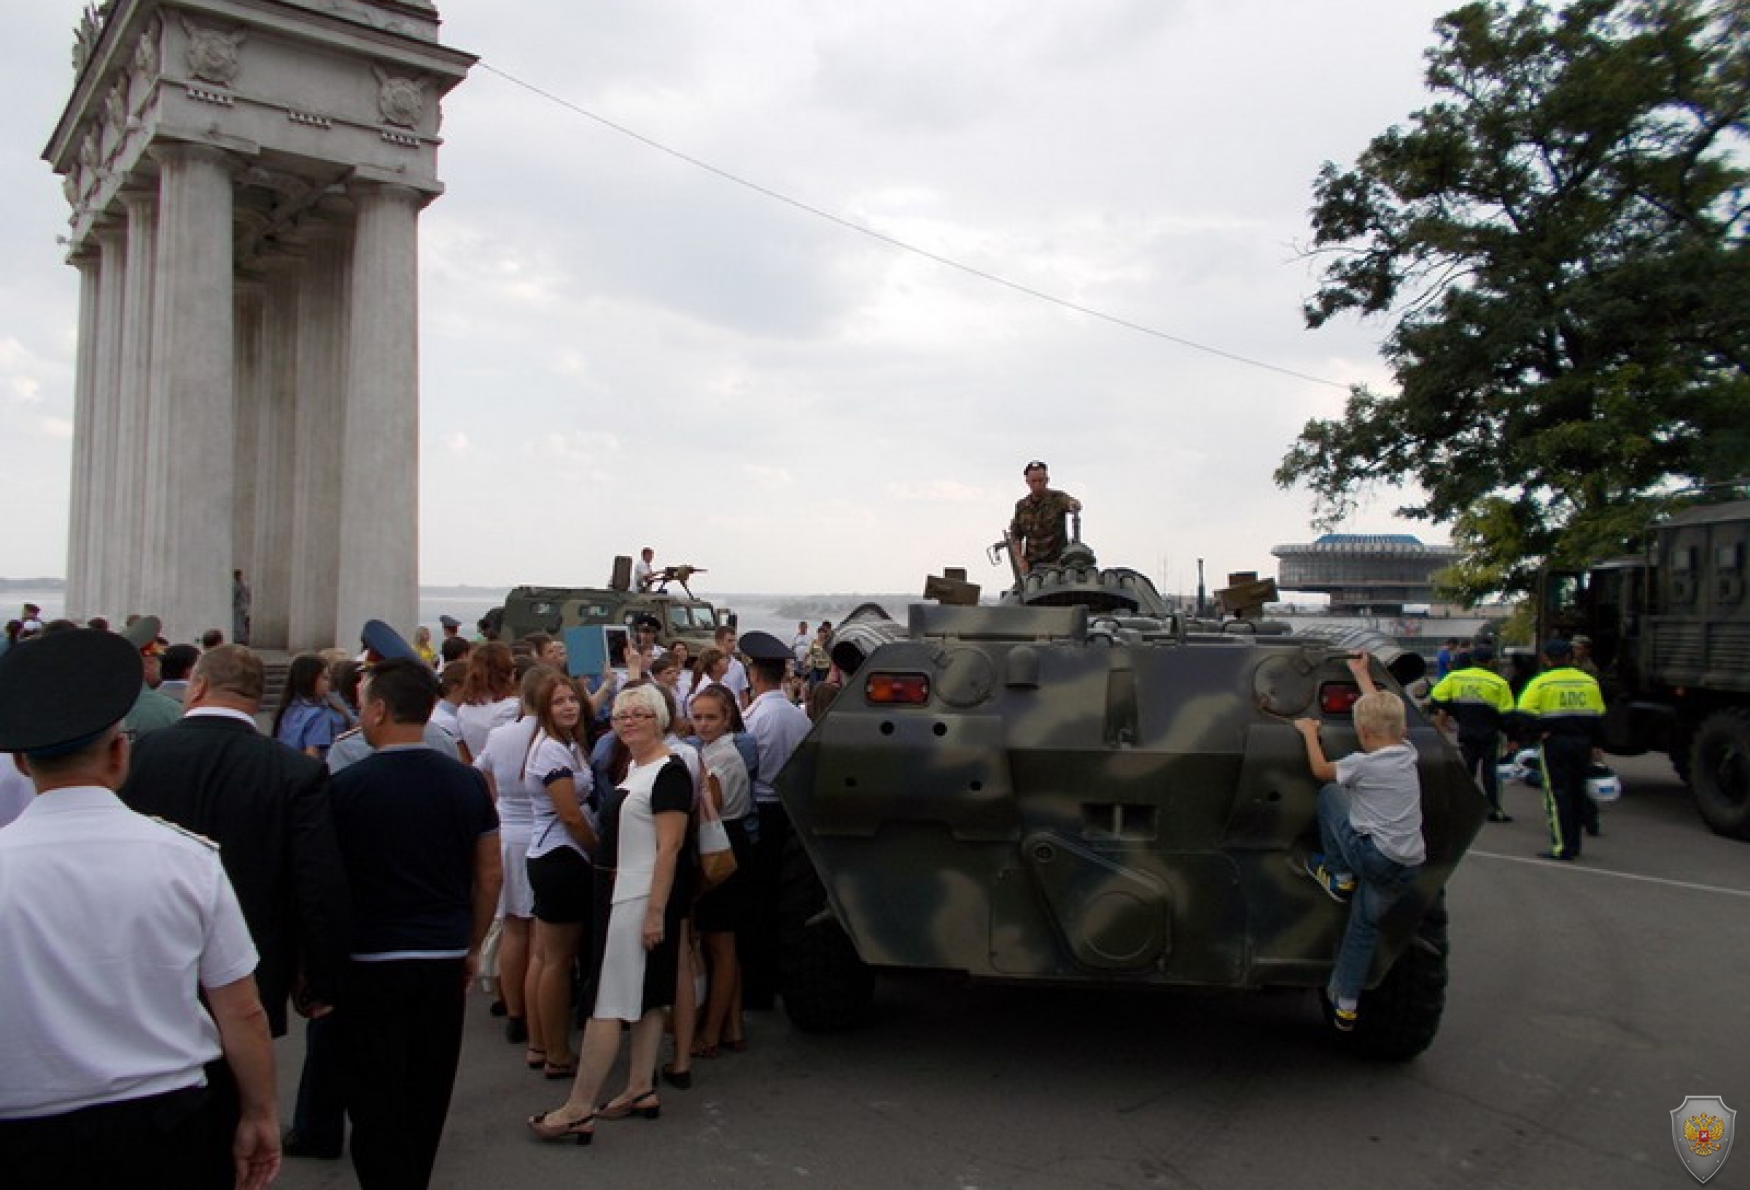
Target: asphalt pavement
x,y
1587,1001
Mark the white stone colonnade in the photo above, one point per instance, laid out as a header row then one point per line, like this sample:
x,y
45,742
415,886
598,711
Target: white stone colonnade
x,y
246,178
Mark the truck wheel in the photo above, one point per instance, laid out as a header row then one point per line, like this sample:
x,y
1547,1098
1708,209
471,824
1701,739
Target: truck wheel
x,y
1719,772
826,987
1399,1018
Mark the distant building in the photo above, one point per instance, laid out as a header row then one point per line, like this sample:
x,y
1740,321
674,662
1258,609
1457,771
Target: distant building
x,y
1364,573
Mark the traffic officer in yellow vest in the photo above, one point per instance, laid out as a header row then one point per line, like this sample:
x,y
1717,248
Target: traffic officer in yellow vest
x,y
1478,699
1563,710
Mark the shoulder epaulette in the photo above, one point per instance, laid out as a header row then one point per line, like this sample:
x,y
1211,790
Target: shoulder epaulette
x,y
183,830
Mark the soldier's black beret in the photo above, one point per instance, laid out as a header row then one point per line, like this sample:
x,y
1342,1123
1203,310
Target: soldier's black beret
x,y
60,692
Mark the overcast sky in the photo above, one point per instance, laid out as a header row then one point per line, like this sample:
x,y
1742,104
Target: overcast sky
x,y
620,349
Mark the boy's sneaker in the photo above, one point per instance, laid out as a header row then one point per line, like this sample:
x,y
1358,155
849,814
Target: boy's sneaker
x,y
1343,1019
1338,888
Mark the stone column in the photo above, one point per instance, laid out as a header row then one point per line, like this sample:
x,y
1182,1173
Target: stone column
x,y
251,385
276,442
108,553
81,601
138,452
379,536
192,382
318,421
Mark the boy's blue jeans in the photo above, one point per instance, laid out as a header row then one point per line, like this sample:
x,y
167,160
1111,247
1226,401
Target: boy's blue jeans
x,y
1379,883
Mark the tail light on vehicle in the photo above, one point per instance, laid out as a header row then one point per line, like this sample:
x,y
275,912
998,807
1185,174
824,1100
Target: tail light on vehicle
x,y
897,689
1338,698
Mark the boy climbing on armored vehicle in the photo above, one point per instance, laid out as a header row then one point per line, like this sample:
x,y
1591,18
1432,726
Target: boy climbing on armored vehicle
x,y
1370,825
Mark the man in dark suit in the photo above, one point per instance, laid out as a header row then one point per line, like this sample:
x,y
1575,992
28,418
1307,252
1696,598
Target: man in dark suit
x,y
266,805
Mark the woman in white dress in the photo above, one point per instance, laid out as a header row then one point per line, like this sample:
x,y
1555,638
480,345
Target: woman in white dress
x,y
646,873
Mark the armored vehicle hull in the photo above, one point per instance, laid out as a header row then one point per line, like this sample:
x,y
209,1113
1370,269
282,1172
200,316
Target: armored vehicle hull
x,y
554,609
1076,787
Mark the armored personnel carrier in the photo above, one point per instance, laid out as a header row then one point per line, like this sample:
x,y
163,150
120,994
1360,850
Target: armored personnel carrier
x,y
1080,786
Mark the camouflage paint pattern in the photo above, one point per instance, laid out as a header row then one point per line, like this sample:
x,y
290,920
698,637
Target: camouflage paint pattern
x,y
1093,790
554,609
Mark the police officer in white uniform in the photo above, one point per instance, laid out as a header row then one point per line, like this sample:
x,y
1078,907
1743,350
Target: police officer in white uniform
x,y
112,925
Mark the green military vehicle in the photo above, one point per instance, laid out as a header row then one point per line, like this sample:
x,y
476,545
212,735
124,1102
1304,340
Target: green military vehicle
x,y
1670,630
679,616
1077,786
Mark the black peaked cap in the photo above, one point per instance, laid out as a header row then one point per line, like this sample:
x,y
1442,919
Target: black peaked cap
x,y
66,687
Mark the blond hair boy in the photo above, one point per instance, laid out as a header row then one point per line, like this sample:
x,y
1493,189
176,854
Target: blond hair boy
x,y
1370,826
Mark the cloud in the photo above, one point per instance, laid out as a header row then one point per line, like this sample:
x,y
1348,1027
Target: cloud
x,y
939,491
598,315
766,477
580,447
21,374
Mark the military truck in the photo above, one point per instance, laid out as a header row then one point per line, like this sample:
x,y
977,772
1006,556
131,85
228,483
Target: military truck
x,y
679,616
1670,630
1077,786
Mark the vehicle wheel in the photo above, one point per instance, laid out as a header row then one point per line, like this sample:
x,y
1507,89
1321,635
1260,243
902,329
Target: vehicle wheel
x,y
826,987
1399,1018
1719,772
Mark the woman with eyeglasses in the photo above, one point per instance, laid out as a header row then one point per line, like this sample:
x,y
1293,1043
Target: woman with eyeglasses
x,y
644,879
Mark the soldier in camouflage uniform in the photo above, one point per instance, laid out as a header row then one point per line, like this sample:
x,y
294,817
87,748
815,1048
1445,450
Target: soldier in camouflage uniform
x,y
1037,534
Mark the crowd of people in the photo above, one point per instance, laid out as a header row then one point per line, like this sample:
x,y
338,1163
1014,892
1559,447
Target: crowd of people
x,y
403,816
411,813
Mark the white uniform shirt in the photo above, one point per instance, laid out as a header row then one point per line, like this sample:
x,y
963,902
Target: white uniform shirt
x,y
735,677
723,761
478,719
547,832
16,790
507,750
110,922
778,725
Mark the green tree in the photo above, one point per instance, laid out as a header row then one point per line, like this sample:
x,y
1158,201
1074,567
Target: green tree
x,y
1560,242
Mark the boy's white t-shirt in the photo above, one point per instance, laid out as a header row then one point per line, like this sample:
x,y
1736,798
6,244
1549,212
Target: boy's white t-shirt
x,y
1385,800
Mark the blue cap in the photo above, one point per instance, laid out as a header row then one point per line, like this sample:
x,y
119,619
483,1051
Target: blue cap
x,y
386,643
1557,648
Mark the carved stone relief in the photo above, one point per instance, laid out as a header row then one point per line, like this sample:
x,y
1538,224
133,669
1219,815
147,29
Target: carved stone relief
x,y
400,100
146,52
85,36
213,55
115,105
